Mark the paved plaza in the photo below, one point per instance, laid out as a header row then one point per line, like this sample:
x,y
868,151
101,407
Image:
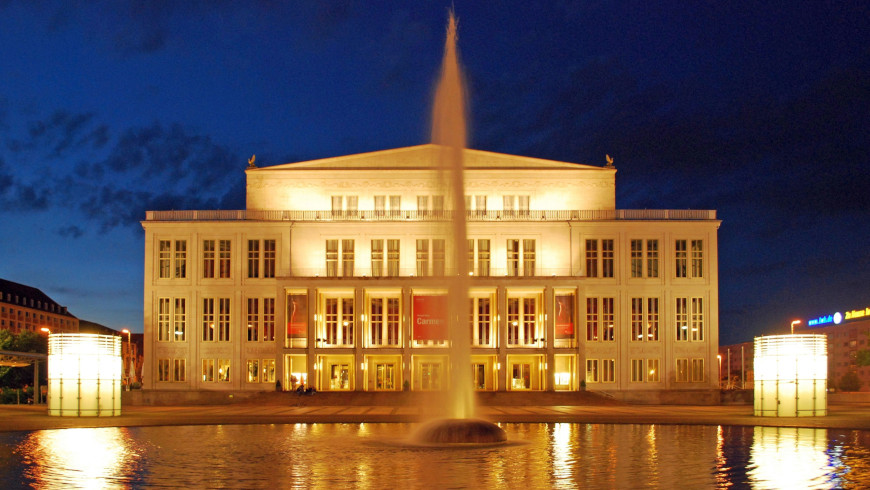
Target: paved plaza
x,y
30,417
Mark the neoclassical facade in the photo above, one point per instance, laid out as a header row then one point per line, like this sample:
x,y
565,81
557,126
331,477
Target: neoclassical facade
x,y
333,276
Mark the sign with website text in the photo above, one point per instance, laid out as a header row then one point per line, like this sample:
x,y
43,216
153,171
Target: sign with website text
x,y
430,317
297,316
837,318
564,316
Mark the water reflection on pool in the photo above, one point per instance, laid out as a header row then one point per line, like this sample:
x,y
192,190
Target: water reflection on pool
x,y
376,456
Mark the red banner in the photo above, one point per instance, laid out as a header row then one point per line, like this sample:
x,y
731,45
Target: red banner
x,y
565,316
430,317
297,316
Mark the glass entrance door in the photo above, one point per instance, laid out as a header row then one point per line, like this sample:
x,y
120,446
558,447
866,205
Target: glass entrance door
x,y
521,377
339,376
478,376
430,376
385,376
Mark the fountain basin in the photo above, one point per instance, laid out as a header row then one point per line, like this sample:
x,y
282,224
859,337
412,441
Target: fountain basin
x,y
460,431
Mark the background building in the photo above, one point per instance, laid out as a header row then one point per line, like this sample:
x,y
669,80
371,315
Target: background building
x,y
848,333
330,277
27,309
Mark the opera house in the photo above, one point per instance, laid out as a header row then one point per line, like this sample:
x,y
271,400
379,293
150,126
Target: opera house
x,y
333,277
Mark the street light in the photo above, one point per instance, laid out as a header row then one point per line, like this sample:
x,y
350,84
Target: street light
x,y
719,356
129,358
46,330
793,323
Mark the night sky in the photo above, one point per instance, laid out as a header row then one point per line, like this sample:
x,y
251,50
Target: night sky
x,y
108,109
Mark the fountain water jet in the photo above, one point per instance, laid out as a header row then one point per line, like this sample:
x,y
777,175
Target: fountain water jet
x,y
449,132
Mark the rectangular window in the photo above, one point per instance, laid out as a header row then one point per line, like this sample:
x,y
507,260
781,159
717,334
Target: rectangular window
x,y
637,370
483,257
347,257
224,256
253,370
208,370
352,203
481,322
268,320
163,373
523,202
422,257
509,205
208,318
253,319
513,257
681,314
697,319
336,206
380,205
697,370
268,371
164,259
682,371
164,332
528,257
338,321
179,322
377,258
591,370
608,370
269,258
637,258
530,315
224,320
607,319
480,205
652,370
592,319
607,258
644,319
393,258
223,370
422,205
438,203
179,370
513,321
591,258
697,258
253,258
208,258
681,258
384,321
331,258
652,258
395,205
438,256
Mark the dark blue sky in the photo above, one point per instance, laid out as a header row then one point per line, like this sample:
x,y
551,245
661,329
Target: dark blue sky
x,y
108,109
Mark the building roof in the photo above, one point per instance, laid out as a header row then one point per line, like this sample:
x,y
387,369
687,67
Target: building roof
x,y
29,297
425,157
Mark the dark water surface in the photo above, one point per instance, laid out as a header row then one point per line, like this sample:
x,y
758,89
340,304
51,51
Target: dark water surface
x,y
554,455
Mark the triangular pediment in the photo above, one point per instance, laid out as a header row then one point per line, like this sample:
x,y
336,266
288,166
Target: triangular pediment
x,y
423,157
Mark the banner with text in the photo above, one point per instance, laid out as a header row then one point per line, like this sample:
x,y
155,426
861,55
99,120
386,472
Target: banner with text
x,y
430,317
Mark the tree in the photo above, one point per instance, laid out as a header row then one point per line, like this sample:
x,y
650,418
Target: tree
x,y
23,342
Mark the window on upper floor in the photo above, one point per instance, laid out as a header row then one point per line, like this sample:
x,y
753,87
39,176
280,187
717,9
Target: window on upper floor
x,y
261,258
521,261
172,259
479,257
599,258
644,258
689,266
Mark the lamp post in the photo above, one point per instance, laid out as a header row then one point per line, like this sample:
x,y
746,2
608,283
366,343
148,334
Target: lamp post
x,y
719,356
793,323
128,359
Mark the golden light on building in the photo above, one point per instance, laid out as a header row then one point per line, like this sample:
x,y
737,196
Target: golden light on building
x,y
791,373
84,375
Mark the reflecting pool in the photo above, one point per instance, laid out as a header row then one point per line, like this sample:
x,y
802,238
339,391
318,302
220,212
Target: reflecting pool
x,y
554,455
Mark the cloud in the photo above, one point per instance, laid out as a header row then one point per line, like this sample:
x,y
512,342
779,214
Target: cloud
x,y
71,231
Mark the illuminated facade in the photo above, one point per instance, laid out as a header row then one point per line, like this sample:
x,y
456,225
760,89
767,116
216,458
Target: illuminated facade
x,y
848,332
27,309
330,277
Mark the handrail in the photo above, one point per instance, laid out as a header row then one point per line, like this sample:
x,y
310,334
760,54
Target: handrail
x,y
472,216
